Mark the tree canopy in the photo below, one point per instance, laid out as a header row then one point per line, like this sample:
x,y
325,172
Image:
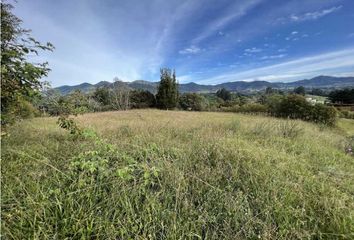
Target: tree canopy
x,y
167,94
20,78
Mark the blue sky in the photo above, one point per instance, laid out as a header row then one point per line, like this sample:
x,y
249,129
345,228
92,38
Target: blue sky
x,y
206,41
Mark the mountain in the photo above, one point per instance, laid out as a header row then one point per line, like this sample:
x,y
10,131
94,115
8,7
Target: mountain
x,y
240,86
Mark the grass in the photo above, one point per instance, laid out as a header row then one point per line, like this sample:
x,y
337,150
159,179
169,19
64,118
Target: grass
x,y
347,125
150,174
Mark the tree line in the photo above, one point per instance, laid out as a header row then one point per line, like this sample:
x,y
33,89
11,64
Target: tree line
x,y
23,95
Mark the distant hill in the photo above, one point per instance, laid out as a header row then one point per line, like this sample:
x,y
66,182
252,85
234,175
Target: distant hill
x,y
240,86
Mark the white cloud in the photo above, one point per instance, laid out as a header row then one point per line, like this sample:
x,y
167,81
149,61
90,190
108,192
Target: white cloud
x,y
253,50
190,50
331,63
314,15
273,57
294,33
231,14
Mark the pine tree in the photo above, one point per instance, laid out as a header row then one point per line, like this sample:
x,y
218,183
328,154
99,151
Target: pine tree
x,y
167,95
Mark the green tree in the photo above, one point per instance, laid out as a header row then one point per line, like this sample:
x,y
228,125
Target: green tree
x,y
223,94
142,99
20,79
344,96
167,93
101,95
300,90
192,101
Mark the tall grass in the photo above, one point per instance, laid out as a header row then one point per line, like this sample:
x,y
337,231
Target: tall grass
x,y
152,174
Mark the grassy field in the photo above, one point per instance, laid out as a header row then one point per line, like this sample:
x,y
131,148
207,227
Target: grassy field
x,y
150,174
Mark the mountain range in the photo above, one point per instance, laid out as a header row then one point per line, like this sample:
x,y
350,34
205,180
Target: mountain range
x,y
323,82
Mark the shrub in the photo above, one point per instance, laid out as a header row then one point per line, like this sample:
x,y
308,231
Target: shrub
x,y
323,114
346,114
70,125
192,101
293,106
253,108
142,99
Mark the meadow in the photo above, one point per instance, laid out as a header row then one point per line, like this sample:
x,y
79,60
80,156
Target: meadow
x,y
151,174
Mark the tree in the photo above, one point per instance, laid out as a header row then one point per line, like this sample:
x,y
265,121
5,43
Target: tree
x,y
300,90
101,95
269,90
20,79
142,99
167,93
223,94
192,101
119,96
344,96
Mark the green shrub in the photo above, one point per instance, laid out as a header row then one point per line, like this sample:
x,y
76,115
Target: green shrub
x,y
192,101
323,114
70,125
296,107
346,114
253,108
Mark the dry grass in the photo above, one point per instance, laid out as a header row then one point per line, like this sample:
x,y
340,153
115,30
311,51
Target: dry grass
x,y
153,174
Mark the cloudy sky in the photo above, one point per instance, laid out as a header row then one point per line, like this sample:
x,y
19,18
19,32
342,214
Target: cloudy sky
x,y
206,41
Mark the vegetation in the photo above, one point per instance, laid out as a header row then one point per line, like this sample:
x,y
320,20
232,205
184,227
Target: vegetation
x,y
345,96
167,94
193,175
300,90
223,94
20,79
151,174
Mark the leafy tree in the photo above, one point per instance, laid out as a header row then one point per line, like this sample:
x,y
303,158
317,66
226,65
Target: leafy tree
x,y
294,106
318,92
167,93
344,96
20,79
101,95
142,99
300,90
192,101
223,94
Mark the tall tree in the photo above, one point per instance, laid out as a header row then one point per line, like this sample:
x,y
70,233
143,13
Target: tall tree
x,y
167,93
20,79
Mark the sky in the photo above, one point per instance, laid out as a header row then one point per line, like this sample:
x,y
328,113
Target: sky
x,y
205,41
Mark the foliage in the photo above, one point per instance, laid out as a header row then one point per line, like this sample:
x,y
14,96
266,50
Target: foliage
x,y
253,108
223,94
70,125
345,96
296,107
192,101
167,94
346,114
101,95
20,78
142,99
300,90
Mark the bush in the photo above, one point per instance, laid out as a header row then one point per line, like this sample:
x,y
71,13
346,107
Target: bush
x,y
346,114
323,114
296,107
192,101
142,99
253,108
